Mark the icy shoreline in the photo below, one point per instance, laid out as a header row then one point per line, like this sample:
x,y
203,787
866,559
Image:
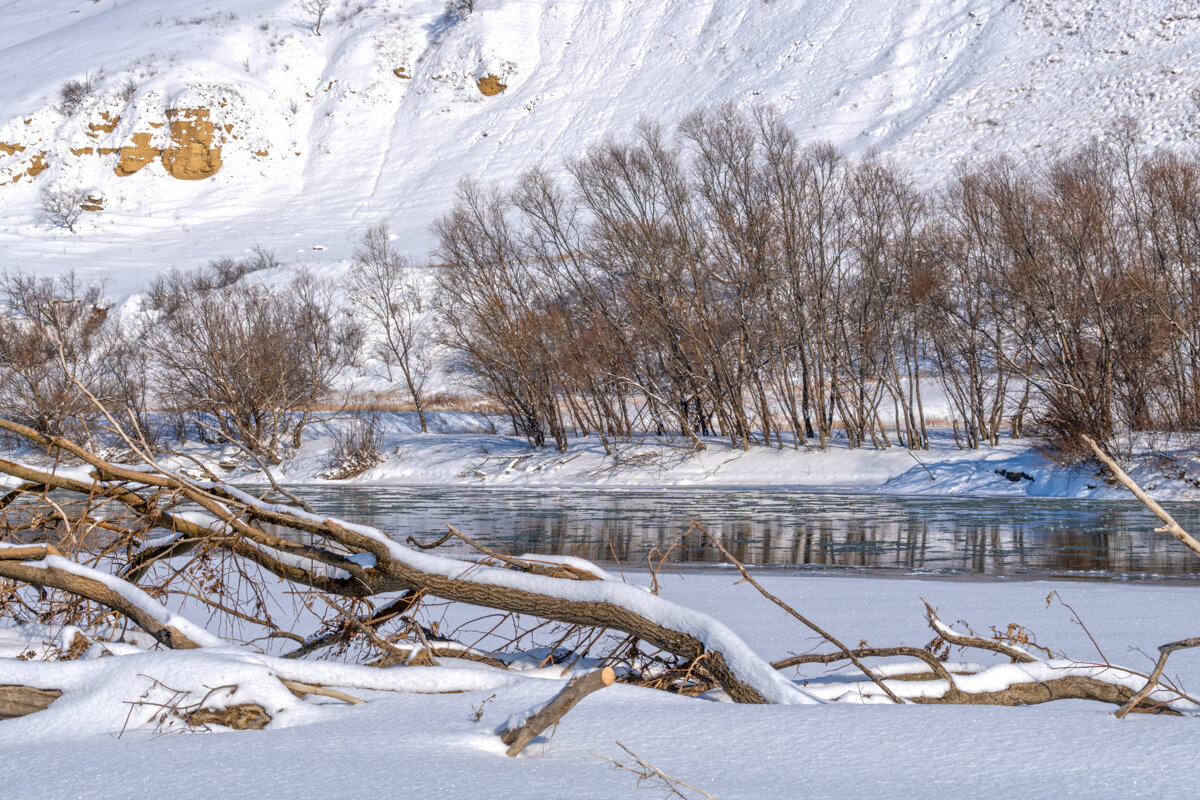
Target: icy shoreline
x,y
464,450
462,453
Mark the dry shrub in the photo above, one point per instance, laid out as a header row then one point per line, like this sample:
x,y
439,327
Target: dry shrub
x,y
356,448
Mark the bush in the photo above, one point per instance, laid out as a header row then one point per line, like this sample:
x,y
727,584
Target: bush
x,y
73,94
247,363
128,89
355,448
169,291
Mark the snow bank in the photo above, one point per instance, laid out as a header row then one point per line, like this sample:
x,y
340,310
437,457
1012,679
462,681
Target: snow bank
x,y
419,744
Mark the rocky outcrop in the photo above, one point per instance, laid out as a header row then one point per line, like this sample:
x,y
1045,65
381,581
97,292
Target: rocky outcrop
x,y
489,85
137,155
195,153
192,151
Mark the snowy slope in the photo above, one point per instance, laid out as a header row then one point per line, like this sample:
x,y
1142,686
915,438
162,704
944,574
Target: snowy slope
x,y
378,117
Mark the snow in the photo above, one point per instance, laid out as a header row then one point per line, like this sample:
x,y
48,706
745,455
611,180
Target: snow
x,y
581,564
463,454
348,142
414,744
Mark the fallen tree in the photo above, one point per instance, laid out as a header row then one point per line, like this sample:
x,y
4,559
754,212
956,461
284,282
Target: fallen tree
x,y
335,558
101,545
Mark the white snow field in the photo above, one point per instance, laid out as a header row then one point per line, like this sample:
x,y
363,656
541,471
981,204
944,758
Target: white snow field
x,y
318,137
211,126
90,744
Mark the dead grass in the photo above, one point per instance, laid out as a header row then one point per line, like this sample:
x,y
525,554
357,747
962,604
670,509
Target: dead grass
x,y
390,401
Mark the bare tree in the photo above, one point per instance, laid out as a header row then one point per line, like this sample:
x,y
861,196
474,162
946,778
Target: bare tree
x,y
59,340
499,316
63,207
735,282
385,290
249,365
316,9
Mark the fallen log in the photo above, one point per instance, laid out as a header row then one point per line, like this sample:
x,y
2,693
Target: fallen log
x,y
1070,687
242,717
41,566
20,701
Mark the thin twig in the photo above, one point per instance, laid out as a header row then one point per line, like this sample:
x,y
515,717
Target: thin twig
x,y
645,771
807,622
948,633
1079,621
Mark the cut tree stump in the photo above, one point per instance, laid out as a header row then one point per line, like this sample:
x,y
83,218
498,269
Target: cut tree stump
x,y
552,712
18,701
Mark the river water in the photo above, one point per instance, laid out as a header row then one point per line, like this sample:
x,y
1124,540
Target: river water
x,y
1002,537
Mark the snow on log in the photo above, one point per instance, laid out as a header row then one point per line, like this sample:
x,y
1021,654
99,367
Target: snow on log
x,y
48,569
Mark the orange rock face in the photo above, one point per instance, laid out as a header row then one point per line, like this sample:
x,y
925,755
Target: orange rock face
x,y
490,85
194,152
134,157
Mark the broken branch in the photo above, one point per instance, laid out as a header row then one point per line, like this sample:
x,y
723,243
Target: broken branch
x,y
578,688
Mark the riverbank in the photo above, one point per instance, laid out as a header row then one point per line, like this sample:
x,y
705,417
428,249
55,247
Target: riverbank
x,y
464,450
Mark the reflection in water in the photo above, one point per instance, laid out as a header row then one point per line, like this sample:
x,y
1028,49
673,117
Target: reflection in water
x,y
928,535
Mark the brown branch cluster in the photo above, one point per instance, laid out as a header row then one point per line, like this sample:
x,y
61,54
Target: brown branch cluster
x,y
120,548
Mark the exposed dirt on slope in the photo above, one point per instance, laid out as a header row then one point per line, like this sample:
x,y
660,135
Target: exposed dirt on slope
x,y
135,156
108,125
37,165
490,85
196,154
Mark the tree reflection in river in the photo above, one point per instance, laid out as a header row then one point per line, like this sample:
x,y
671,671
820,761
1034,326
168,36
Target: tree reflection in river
x,y
1002,536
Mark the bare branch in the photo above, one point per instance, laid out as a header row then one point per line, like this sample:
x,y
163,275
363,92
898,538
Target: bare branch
x,y
1169,524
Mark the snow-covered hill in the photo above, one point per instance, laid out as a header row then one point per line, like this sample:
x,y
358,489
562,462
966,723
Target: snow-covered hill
x,y
213,125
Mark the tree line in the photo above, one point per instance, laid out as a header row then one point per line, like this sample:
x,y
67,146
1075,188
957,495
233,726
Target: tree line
x,y
724,279
732,279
